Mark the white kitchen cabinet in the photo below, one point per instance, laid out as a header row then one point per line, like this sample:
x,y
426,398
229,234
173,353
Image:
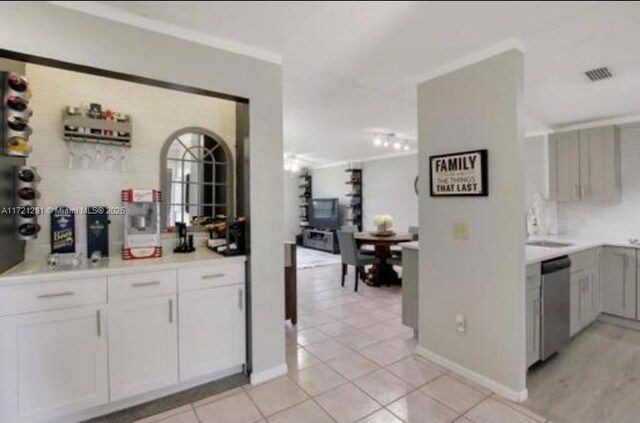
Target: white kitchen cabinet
x,y
143,346
600,177
52,363
533,325
585,295
618,281
564,166
212,330
533,307
584,308
585,165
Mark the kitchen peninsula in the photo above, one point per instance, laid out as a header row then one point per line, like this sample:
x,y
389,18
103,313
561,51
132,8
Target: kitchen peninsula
x,y
602,284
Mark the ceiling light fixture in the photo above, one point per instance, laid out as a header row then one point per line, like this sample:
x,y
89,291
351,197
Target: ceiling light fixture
x,y
390,139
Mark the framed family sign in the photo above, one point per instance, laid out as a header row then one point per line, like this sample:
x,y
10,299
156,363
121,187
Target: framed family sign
x,y
459,174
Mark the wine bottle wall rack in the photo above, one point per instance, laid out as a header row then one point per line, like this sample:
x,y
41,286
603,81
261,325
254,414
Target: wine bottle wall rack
x,y
15,112
354,195
96,131
305,198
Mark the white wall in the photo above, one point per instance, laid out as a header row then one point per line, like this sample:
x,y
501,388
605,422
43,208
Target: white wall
x,y
43,29
387,188
613,221
478,106
291,202
156,113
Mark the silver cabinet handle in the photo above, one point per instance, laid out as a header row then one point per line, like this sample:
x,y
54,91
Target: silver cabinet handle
x,y
171,310
58,294
213,276
99,323
143,284
240,298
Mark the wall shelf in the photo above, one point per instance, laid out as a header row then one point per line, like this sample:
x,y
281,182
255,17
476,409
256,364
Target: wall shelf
x,y
355,205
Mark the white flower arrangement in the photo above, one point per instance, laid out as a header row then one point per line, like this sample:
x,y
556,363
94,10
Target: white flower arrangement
x,y
383,222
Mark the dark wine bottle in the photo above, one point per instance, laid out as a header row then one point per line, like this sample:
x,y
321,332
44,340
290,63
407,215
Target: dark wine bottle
x,y
17,82
28,229
17,103
27,193
26,175
18,124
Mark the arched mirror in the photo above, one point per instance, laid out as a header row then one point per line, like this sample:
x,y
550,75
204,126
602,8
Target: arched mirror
x,y
197,178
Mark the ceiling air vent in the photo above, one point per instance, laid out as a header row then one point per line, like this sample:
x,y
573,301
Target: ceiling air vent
x,y
598,74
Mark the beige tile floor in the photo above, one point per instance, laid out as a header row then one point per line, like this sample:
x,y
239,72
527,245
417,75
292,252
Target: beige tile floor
x,y
350,359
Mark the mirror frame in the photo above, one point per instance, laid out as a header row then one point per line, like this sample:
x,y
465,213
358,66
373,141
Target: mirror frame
x,y
163,171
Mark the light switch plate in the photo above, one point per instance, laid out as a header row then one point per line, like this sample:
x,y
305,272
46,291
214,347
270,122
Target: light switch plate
x,y
461,231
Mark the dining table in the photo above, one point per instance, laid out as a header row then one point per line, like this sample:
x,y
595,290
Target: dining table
x,y
382,272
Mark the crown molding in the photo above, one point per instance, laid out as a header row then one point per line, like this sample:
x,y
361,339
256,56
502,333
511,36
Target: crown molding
x,y
472,58
158,26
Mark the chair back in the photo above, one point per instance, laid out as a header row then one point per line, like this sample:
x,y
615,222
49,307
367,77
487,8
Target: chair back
x,y
414,231
348,248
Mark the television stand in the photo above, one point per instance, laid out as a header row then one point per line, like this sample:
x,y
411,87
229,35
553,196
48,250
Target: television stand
x,y
320,239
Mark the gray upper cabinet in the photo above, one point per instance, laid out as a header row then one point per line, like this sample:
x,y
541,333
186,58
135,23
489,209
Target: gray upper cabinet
x,y
585,165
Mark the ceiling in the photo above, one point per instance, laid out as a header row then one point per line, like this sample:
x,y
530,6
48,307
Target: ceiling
x,y
351,68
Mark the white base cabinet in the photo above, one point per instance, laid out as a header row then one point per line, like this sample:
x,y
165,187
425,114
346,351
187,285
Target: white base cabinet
x,y
52,363
533,307
143,346
212,330
618,281
585,290
70,348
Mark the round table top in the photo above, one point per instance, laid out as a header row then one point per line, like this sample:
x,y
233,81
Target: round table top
x,y
391,239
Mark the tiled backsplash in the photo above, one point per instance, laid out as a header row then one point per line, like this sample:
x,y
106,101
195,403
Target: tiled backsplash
x,y
155,112
610,220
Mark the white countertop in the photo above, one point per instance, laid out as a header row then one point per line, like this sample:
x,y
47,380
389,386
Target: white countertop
x,y
37,270
535,254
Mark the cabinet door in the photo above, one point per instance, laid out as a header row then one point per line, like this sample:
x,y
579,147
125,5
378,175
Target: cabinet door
x,y
600,164
53,363
618,281
143,346
533,326
212,330
575,303
564,166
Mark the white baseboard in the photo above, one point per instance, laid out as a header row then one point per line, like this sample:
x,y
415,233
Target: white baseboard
x,y
496,387
619,321
268,374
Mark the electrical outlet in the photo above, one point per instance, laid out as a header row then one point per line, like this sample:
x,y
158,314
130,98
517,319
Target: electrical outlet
x,y
461,323
461,231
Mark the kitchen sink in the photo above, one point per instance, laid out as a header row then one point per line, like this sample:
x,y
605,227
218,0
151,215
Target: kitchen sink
x,y
549,244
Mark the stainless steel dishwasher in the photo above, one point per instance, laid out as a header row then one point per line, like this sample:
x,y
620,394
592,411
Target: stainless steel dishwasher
x,y
556,313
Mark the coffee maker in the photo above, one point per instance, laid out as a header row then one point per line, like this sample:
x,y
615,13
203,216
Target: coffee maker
x,y
235,238
184,245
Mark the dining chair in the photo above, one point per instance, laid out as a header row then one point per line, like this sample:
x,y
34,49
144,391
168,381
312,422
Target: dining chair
x,y
351,256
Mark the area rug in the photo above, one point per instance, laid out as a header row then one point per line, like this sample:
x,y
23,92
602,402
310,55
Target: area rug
x,y
314,258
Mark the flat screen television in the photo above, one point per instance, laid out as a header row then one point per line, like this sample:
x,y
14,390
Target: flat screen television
x,y
324,214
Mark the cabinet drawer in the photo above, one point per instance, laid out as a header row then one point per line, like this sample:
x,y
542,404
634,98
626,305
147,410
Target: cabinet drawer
x,y
209,275
44,296
142,285
584,260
